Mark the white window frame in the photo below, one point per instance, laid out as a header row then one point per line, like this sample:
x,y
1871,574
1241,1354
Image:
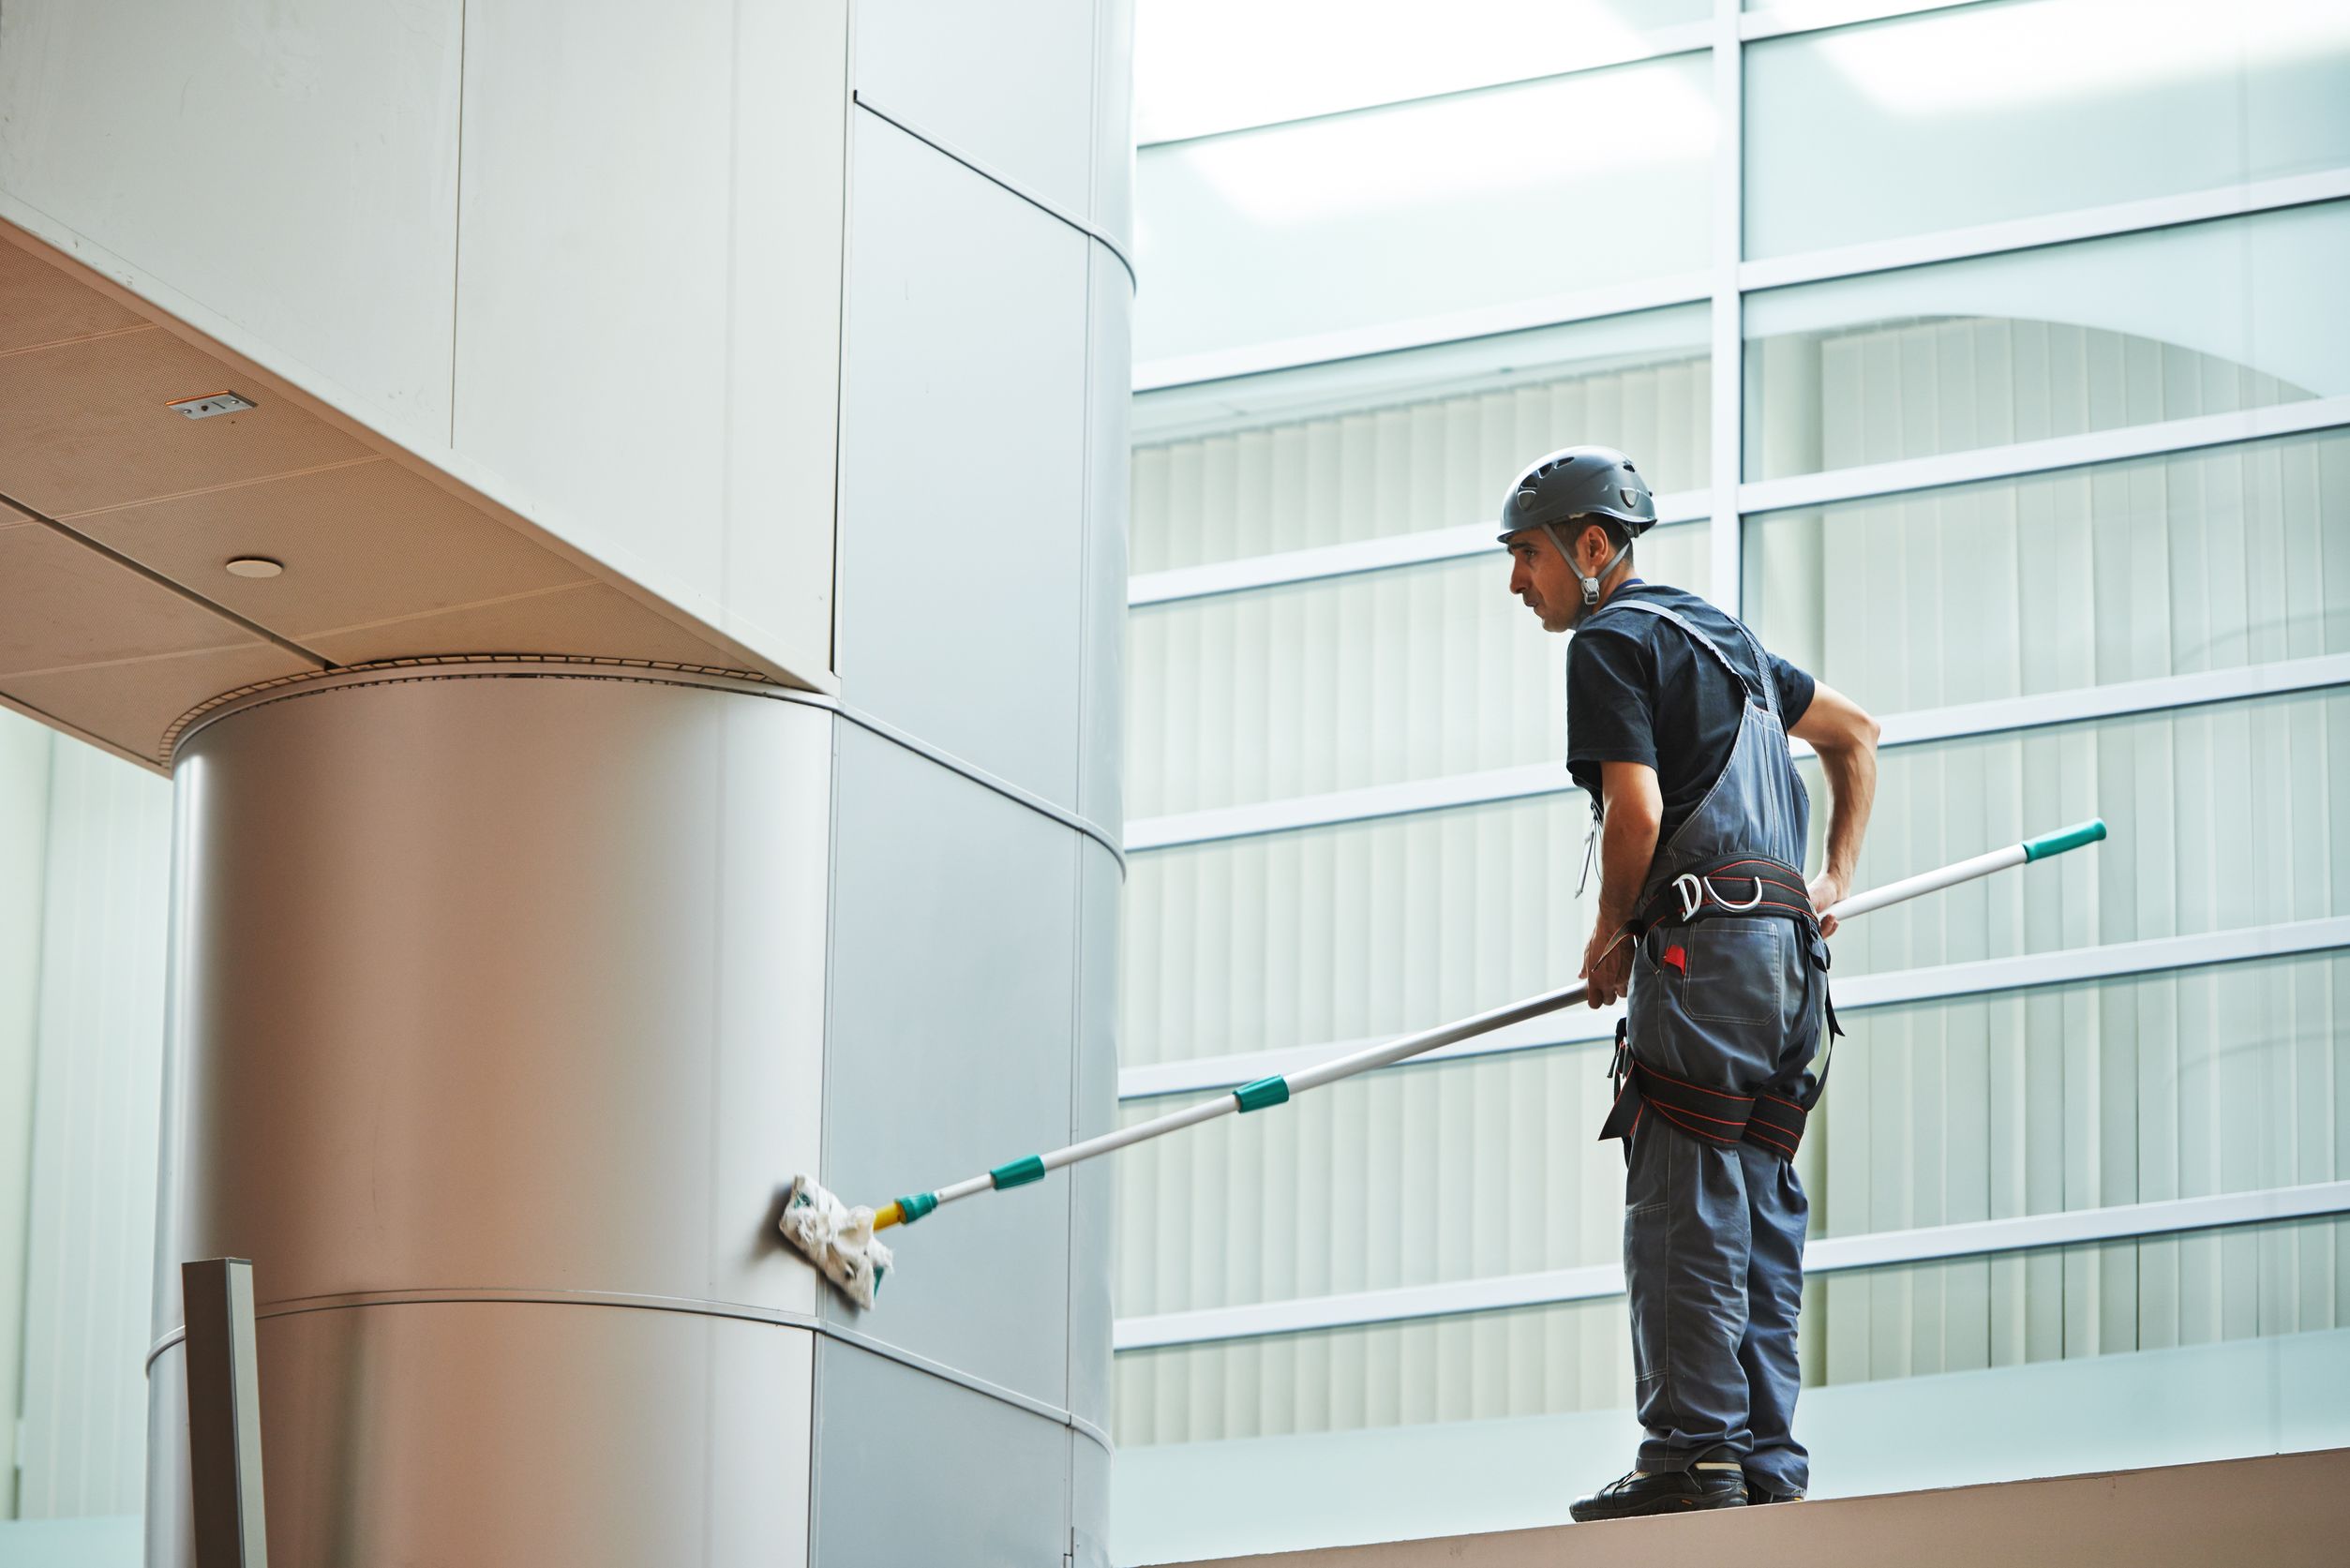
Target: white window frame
x,y
1921,726
1728,278
1977,1238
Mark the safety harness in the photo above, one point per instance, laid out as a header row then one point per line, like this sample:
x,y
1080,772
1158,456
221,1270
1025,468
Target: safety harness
x,y
1768,1121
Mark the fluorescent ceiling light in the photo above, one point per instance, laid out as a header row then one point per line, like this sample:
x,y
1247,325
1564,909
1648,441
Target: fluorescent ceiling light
x,y
2057,51
1203,66
1543,140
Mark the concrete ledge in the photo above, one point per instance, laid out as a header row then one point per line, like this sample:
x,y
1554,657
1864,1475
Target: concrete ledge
x,y
2279,1511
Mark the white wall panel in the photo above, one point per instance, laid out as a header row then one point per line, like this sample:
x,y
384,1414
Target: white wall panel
x,y
1095,1233
1113,121
647,294
591,291
1108,366
950,1047
1009,82
880,1424
963,461
91,1245
290,165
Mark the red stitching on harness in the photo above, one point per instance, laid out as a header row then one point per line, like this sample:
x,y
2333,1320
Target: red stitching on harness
x,y
1699,1114
1791,1105
1789,1149
1744,1099
1693,1131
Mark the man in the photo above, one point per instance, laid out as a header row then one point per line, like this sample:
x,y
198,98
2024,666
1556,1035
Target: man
x,y
1677,727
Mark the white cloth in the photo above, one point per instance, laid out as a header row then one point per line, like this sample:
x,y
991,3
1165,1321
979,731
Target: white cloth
x,y
837,1239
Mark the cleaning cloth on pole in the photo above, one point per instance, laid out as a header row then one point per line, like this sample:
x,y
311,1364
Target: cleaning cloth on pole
x,y
837,1237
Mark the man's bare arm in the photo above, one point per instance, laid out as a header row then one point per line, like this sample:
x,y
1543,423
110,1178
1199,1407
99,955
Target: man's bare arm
x,y
1627,844
1844,737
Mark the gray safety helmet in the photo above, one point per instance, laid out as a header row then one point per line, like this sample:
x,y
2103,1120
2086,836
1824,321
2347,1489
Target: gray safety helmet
x,y
1580,482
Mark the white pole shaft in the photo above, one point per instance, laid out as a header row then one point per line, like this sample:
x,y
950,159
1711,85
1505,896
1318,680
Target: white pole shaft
x,y
1929,882
1407,1046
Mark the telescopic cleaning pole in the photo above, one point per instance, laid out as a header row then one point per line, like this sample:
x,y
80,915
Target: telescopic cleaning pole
x,y
1265,1093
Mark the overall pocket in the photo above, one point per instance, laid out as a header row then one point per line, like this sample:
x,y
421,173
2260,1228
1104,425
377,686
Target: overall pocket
x,y
1736,971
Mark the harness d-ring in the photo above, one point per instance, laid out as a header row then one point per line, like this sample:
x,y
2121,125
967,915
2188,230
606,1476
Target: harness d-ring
x,y
1692,890
1733,909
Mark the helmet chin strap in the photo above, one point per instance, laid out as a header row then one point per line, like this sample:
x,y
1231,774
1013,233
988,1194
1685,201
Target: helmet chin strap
x,y
1591,585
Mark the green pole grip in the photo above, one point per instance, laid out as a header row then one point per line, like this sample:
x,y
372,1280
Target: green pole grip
x,y
1019,1172
912,1209
1263,1095
2064,839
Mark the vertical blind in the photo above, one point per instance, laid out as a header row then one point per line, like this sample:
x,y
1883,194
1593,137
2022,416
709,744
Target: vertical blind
x,y
1406,465
2114,1091
99,1074
1414,673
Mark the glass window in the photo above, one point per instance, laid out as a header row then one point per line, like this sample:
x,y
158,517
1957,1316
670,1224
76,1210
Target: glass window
x,y
1990,112
2174,565
1207,66
1413,673
2092,1095
2133,330
1405,442
1530,1361
2223,817
1479,199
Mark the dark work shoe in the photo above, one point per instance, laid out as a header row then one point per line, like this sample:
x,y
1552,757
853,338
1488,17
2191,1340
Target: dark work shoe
x,y
1671,1491
1756,1496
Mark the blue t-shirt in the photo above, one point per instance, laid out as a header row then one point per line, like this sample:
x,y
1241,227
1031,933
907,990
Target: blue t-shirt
x,y
1638,690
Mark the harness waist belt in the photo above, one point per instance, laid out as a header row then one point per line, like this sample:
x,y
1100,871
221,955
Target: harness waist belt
x,y
1740,884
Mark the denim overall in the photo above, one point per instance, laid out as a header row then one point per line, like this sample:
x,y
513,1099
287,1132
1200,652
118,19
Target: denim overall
x,y
1726,1007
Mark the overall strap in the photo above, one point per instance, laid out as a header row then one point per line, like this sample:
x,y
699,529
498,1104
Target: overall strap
x,y
1769,695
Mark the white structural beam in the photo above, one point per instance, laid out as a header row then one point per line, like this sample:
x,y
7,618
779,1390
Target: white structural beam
x,y
1727,413
1573,51
1953,244
2033,234
1895,987
1813,16
1905,477
1423,332
1997,716
1877,480
1356,555
1829,1255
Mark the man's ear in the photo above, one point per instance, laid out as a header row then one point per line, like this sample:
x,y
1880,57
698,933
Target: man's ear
x,y
1588,561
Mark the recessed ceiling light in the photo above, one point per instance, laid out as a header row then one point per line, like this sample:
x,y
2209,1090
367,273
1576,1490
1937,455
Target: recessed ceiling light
x,y
255,566
211,403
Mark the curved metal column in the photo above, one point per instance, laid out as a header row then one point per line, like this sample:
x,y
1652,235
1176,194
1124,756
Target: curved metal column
x,y
502,995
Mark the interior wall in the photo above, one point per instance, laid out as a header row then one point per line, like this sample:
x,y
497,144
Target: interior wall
x,y
89,976
24,765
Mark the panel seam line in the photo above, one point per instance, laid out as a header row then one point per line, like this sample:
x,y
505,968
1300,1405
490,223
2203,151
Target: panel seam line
x,y
1043,204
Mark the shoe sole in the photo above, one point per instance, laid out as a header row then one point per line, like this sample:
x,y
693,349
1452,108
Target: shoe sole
x,y
1675,1505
